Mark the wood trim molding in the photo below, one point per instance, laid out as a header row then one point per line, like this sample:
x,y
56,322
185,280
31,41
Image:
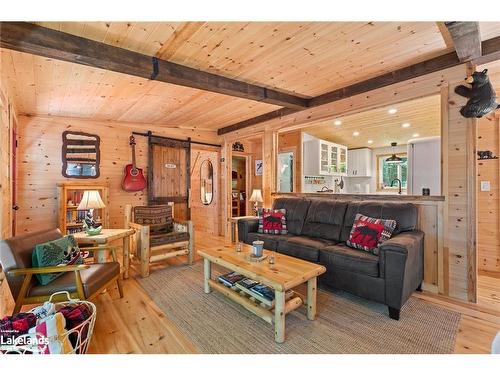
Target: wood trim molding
x,y
42,41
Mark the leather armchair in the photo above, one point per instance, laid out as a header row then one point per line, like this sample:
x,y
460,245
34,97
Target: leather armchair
x,y
81,281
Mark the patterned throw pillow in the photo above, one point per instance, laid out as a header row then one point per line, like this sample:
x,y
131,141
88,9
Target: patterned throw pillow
x,y
60,252
368,233
272,221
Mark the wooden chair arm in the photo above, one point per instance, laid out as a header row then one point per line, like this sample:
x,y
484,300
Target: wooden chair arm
x,y
51,269
137,226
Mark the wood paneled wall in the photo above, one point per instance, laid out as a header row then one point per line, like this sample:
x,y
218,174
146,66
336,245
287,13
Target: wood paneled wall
x,y
7,121
39,164
488,209
458,163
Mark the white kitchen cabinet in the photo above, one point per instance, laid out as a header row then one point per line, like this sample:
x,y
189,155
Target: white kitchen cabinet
x,y
323,158
360,163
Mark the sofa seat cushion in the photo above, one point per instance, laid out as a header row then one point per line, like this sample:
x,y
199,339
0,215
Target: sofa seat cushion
x,y
353,260
303,247
270,240
93,278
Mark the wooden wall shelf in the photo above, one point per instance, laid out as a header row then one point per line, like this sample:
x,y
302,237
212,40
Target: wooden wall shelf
x,y
68,220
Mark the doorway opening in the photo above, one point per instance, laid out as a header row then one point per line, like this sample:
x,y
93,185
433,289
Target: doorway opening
x,y
239,186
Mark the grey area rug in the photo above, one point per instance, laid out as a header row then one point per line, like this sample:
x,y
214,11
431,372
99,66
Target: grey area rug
x,y
344,323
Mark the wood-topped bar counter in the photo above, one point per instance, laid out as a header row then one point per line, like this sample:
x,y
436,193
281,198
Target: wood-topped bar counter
x,y
366,197
430,221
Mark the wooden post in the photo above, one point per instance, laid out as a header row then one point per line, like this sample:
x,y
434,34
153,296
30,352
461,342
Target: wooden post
x,y
126,256
207,273
279,316
191,242
311,298
269,147
145,251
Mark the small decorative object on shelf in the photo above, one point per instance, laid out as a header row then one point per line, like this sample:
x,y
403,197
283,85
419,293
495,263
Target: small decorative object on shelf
x,y
238,146
485,155
91,200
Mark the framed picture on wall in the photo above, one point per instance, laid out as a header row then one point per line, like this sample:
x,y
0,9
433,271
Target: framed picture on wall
x,y
258,167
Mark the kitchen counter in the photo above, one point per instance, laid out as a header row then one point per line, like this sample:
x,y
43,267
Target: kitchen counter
x,y
379,197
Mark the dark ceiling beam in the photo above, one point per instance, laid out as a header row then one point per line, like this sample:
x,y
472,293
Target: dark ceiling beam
x,y
42,41
466,39
490,52
400,75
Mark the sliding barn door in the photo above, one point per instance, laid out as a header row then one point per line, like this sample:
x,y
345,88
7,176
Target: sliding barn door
x,y
169,174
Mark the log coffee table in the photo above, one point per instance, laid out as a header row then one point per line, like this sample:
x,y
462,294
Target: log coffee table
x,y
286,273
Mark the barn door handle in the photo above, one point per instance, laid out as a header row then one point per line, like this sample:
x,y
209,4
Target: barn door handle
x,y
189,196
15,208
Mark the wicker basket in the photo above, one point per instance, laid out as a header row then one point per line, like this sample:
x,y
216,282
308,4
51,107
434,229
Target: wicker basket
x,y
25,344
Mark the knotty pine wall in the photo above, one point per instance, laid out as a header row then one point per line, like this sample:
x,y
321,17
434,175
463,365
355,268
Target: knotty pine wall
x,y
488,220
39,164
488,202
7,125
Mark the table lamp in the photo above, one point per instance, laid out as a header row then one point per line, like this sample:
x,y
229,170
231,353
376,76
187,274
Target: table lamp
x,y
256,198
91,200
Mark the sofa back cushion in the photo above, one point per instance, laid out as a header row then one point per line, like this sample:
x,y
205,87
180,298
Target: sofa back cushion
x,y
324,219
296,212
405,215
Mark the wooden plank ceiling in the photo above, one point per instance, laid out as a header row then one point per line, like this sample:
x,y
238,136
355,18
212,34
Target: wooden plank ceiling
x,y
422,118
305,59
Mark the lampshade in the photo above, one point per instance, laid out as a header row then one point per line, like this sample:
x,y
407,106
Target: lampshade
x,y
91,200
394,158
256,196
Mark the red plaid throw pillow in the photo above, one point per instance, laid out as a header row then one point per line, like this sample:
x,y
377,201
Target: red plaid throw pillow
x,y
272,221
368,233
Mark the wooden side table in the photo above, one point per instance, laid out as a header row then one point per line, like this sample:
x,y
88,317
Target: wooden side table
x,y
106,236
234,223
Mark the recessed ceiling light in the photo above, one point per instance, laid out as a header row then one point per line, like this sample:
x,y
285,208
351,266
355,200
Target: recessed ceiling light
x,y
337,122
406,125
370,141
415,135
392,111
355,134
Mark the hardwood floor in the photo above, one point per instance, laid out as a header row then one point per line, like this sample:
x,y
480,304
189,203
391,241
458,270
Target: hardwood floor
x,y
134,324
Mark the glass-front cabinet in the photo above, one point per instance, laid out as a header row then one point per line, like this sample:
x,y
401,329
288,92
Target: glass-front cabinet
x,y
324,158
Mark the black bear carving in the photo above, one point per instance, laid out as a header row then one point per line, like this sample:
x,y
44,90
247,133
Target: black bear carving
x,y
481,95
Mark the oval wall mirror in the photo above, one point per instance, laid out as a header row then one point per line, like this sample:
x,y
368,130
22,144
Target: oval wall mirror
x,y
206,182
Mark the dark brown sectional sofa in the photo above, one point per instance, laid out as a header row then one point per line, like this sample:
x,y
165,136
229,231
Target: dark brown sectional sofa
x,y
317,231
